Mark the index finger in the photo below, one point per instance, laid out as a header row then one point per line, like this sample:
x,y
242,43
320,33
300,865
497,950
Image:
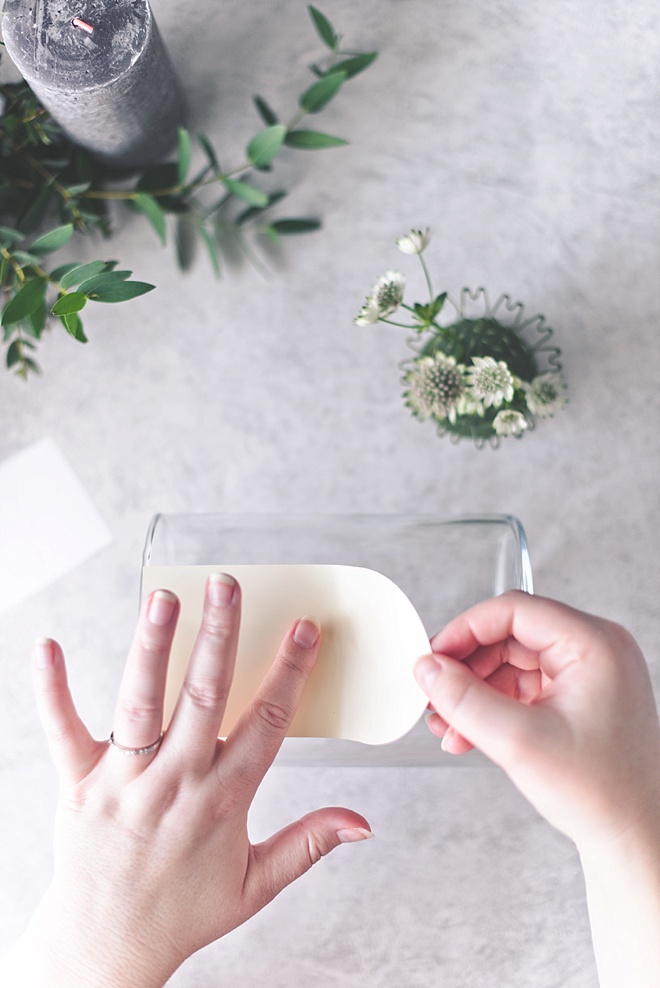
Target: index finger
x,y
556,632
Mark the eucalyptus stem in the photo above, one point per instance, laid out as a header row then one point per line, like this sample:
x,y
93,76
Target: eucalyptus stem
x,y
45,177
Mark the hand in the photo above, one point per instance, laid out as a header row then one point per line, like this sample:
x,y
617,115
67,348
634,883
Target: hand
x,y
562,701
152,855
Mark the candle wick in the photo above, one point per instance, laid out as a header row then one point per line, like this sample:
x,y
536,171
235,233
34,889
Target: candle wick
x,y
83,25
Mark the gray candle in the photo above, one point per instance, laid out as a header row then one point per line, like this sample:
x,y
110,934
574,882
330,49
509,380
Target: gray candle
x,y
100,68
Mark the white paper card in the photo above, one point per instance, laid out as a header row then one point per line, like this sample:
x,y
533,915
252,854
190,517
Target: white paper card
x,y
48,522
362,687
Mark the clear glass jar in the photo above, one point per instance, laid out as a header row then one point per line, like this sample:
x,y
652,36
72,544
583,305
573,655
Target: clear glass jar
x,y
443,565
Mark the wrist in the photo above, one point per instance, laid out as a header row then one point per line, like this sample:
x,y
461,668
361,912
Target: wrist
x,y
58,950
637,843
623,895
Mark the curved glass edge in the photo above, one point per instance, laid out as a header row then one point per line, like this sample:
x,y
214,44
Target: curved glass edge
x,y
418,749
525,568
525,576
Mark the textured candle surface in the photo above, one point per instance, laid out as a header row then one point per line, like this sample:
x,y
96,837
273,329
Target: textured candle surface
x,y
102,71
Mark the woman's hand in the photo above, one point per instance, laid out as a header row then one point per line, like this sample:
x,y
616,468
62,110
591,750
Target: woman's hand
x,y
152,855
561,700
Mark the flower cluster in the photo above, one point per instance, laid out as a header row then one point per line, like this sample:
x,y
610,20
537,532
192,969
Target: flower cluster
x,y
476,378
439,388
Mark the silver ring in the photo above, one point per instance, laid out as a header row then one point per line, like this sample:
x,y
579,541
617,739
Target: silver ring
x,y
136,751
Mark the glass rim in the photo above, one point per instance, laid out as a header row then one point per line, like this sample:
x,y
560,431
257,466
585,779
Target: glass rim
x,y
306,517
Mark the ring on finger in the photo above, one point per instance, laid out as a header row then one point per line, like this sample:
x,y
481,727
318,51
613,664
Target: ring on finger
x,y
135,751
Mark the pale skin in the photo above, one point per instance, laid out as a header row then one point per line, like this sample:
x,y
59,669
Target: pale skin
x,y
152,855
562,701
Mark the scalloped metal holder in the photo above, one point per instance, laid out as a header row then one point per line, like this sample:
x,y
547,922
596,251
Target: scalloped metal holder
x,y
473,304
443,565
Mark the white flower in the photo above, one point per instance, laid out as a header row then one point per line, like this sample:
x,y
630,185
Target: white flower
x,y
467,404
414,242
509,423
545,394
435,385
490,381
368,314
387,292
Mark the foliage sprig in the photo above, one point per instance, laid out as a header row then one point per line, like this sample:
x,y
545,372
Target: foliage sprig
x,y
474,378
52,189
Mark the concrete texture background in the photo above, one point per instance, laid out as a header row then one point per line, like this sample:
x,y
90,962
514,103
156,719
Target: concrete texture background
x,y
528,138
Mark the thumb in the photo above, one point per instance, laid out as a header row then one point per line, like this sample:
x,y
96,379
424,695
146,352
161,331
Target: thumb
x,y
292,851
490,720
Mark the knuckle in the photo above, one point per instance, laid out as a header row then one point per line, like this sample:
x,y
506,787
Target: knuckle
x,y
315,848
216,630
206,695
150,644
136,711
274,717
298,662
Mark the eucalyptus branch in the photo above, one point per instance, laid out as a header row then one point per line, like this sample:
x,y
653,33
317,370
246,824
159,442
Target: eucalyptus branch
x,y
44,176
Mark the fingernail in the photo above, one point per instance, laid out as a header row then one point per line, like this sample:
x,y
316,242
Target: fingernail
x,y
427,671
307,632
161,607
446,737
44,652
350,835
221,589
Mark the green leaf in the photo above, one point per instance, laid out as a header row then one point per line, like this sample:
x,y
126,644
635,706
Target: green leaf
x,y
438,303
35,210
311,140
26,300
209,243
63,270
24,258
53,240
248,193
271,234
325,29
9,236
184,155
36,321
81,272
76,190
253,211
358,63
320,93
268,115
149,207
73,325
185,243
66,304
425,314
288,227
15,353
209,151
28,365
102,281
265,146
120,291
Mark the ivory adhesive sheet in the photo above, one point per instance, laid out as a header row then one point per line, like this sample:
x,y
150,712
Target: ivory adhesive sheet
x,y
362,687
